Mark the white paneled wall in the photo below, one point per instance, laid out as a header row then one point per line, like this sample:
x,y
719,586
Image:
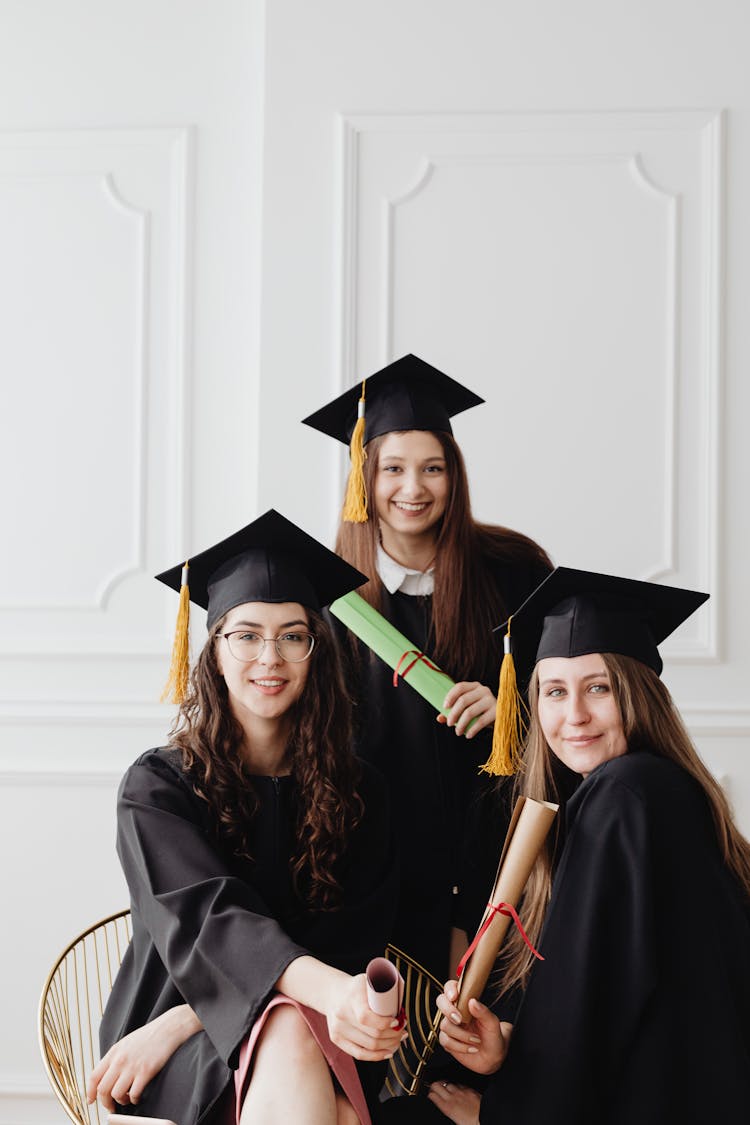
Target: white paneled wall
x,y
214,217
95,224
129,216
581,257
548,202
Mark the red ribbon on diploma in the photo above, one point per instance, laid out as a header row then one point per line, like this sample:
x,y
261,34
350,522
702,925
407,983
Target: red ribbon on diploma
x,y
417,657
509,912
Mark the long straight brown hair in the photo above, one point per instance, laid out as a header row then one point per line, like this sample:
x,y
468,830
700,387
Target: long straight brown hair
x,y
466,603
650,722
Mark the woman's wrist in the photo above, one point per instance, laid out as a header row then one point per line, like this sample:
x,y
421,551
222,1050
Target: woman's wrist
x,y
180,1023
312,982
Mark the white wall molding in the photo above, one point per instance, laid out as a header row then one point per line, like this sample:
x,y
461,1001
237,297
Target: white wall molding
x,y
88,189
712,219
26,1086
62,779
389,162
709,720
78,712
111,443
144,176
387,253
667,568
345,250
138,484
25,1101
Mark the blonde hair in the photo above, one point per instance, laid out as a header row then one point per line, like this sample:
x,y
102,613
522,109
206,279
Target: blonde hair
x,y
650,722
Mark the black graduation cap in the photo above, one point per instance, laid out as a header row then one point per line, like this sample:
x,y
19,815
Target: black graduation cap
x,y
408,394
573,613
269,560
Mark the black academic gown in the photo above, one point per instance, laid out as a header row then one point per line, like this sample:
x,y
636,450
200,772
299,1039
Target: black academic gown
x,y
640,1013
432,777
216,931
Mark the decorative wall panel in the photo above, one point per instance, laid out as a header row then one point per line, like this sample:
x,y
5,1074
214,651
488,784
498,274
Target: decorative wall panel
x,y
93,283
567,268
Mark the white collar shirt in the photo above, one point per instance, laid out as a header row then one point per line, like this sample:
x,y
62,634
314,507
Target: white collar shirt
x,y
395,577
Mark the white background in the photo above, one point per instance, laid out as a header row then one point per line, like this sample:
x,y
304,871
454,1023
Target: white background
x,y
213,217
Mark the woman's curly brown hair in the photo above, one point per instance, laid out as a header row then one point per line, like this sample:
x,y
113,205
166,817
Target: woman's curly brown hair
x,y
322,762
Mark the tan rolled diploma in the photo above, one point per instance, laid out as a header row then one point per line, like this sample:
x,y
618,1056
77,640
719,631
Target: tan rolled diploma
x,y
527,831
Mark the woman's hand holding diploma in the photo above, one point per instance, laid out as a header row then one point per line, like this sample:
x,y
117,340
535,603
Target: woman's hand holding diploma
x,y
482,1044
469,702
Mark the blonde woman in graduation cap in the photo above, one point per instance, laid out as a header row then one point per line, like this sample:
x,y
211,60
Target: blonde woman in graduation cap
x,y
259,860
444,580
640,1010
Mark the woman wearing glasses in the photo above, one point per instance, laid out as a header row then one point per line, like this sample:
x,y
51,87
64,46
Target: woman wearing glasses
x,y
258,856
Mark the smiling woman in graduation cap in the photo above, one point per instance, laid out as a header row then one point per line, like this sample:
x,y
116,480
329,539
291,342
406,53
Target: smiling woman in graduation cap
x,y
444,580
258,856
640,1010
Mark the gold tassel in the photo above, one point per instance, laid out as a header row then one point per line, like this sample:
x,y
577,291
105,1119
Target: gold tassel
x,y
175,688
355,499
510,720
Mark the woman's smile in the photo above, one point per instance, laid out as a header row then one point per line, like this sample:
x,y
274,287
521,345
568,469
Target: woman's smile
x,y
269,686
411,484
405,506
578,713
265,688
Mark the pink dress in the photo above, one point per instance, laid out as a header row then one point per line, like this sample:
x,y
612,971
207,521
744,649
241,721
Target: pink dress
x,y
340,1063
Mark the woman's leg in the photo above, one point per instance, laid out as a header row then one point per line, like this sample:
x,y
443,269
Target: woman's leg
x,y
345,1111
290,1080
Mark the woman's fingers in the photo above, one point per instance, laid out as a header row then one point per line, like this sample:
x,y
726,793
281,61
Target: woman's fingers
x,y
103,1096
485,1018
118,1080
459,1039
481,1042
460,1104
368,1048
110,1086
121,1089
356,1029
365,1042
455,1035
138,1085
469,703
451,991
93,1083
447,1001
359,1038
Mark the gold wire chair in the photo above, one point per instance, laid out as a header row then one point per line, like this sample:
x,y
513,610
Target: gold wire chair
x,y
421,990
76,991
71,1008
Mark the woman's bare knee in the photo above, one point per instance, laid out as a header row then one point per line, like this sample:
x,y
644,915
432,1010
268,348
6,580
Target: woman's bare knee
x,y
286,1032
290,1079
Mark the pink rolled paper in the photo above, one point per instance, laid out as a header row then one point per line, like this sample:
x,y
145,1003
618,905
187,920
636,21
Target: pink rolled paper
x,y
385,987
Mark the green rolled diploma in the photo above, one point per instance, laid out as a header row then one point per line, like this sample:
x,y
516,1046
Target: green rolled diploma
x,y
391,645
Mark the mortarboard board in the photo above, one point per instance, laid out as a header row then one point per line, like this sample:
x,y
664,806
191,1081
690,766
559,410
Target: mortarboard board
x,y
269,560
408,394
574,613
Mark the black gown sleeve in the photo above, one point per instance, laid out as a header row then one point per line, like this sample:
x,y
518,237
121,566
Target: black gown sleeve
x,y
583,1004
213,933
